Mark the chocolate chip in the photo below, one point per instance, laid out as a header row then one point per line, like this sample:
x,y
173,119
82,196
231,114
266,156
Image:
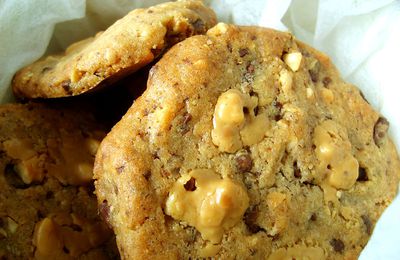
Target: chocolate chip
x,y
278,105
362,174
380,130
367,223
278,109
190,185
186,118
326,81
155,155
253,252
313,75
314,71
104,211
243,52
296,170
256,110
199,25
250,219
120,169
253,93
275,237
66,86
184,125
244,163
313,217
147,175
337,245
12,177
250,68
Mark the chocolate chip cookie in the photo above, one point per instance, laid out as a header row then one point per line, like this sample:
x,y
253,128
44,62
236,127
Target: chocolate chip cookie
x,y
47,206
126,46
246,144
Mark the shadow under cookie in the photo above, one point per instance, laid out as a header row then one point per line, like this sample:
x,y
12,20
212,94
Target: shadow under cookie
x,y
47,206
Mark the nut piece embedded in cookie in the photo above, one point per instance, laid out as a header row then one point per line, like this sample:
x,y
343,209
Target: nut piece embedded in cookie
x,y
67,235
207,202
32,191
333,151
228,120
293,60
71,165
278,205
29,165
235,123
286,80
31,170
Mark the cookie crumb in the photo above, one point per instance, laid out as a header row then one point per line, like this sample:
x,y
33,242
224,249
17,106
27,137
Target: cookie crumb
x,y
337,245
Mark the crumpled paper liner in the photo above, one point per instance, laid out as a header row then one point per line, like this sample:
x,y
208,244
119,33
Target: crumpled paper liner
x,y
361,37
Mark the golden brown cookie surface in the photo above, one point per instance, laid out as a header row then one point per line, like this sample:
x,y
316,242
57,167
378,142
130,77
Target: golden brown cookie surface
x,y
126,46
47,206
246,144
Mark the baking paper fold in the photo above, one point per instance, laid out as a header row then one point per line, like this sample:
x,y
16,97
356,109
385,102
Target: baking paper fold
x,y
361,37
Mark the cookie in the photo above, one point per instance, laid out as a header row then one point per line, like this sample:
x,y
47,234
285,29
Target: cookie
x,y
246,144
126,46
47,206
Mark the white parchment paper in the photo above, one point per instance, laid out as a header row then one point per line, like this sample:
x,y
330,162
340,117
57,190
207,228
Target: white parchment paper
x,y
361,37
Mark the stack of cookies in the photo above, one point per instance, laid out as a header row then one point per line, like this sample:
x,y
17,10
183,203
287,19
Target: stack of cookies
x,y
245,143
48,206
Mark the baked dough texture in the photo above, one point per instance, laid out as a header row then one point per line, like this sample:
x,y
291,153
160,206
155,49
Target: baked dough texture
x,y
129,44
246,144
